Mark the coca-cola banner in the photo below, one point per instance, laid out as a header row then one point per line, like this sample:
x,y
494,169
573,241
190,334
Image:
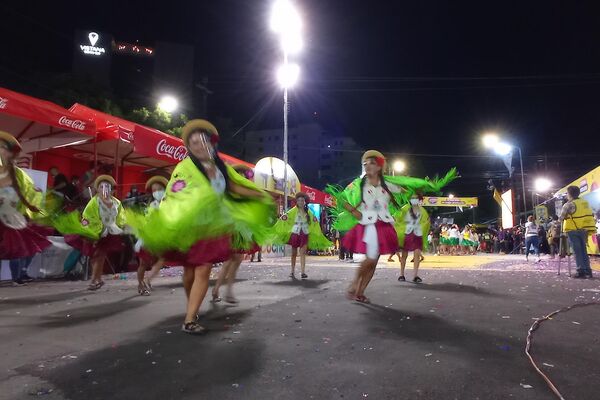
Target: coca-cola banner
x,y
158,145
30,109
317,197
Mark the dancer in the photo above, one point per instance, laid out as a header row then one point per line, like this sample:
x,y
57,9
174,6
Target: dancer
x,y
532,238
157,186
20,238
205,203
229,269
365,209
412,223
97,233
445,240
300,229
454,239
465,241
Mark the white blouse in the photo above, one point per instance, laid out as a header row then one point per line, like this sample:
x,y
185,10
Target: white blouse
x,y
9,214
412,224
108,216
218,182
375,204
301,223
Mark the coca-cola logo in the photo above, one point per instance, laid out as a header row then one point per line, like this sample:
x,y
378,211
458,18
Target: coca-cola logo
x,y
311,195
328,200
3,102
76,124
175,152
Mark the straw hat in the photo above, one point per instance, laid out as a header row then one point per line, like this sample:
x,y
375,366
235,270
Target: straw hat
x,y
13,143
304,195
376,155
104,178
199,125
161,180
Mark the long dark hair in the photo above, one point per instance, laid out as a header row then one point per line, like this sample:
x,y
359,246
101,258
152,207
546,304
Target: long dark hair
x,y
383,185
305,208
12,173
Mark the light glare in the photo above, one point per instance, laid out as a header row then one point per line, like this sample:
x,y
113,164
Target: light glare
x,y
285,18
490,140
502,149
399,166
542,185
168,104
287,75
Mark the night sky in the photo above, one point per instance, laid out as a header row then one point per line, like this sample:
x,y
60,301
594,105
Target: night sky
x,y
418,77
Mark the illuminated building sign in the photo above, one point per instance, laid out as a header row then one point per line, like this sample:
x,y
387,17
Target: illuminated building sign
x,y
91,49
134,49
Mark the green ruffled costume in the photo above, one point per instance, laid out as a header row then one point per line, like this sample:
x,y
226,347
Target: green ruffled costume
x,y
282,231
192,211
34,196
87,224
400,224
345,221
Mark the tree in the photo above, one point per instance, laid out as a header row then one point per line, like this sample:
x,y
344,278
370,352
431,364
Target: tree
x,y
158,119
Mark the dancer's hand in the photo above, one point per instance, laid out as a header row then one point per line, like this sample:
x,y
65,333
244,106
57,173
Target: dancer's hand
x,y
357,214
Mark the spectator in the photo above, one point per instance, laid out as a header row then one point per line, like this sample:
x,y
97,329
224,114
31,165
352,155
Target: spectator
x,y
578,222
532,238
543,235
554,236
435,240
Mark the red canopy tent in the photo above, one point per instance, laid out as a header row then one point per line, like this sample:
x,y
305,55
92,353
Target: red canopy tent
x,y
41,125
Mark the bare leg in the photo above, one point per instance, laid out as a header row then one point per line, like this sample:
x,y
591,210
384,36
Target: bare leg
x,y
403,259
368,269
294,255
188,280
234,265
98,266
221,278
140,274
417,255
303,259
155,270
197,291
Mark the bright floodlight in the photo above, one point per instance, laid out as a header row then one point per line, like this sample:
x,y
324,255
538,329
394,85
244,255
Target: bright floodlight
x,y
291,42
502,149
168,104
490,140
450,196
399,166
287,75
285,18
542,185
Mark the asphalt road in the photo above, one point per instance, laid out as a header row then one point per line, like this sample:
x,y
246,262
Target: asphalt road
x,y
459,335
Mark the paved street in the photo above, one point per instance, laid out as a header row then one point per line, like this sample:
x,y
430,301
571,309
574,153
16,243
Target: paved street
x,y
459,335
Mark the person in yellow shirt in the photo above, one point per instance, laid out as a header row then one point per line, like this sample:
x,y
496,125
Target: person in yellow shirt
x,y
578,222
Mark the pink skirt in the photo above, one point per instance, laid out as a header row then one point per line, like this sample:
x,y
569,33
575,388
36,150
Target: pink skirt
x,y
23,243
255,247
210,251
298,240
107,245
146,258
413,242
386,236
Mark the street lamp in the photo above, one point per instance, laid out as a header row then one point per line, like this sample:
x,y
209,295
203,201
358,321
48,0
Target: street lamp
x,y
168,104
398,166
492,141
286,22
542,185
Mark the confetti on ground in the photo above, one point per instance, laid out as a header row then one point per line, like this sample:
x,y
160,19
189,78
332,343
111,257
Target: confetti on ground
x,y
526,386
548,365
576,323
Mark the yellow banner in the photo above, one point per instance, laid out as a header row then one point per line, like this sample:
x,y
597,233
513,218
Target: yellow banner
x,y
429,201
587,183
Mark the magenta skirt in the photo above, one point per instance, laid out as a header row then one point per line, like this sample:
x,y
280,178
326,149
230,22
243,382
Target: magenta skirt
x,y
209,251
386,235
298,240
146,258
23,243
107,245
413,242
255,247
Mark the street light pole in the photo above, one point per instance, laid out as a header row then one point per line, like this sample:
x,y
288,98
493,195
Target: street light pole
x,y
285,140
522,180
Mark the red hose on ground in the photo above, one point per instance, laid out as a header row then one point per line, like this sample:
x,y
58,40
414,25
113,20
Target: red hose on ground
x,y
534,327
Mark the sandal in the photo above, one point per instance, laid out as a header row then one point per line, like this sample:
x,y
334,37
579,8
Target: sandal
x,y
193,328
148,284
95,286
362,299
351,295
304,276
417,280
401,278
215,298
143,290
